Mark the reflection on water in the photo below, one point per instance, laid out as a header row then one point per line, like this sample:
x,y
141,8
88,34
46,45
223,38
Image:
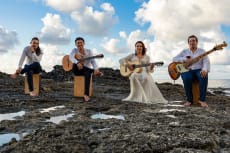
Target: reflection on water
x,y
99,130
58,119
51,108
173,105
171,116
104,116
5,138
171,110
11,116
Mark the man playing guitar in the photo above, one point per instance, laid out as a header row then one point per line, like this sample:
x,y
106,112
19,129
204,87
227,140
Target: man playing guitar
x,y
82,67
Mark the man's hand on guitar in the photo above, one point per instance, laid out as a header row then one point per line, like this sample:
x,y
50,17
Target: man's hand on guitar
x,y
80,66
78,56
203,73
188,62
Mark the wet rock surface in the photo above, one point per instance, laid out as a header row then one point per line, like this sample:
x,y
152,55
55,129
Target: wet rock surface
x,y
142,128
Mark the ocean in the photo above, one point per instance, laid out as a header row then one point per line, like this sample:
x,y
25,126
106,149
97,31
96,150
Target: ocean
x,y
212,83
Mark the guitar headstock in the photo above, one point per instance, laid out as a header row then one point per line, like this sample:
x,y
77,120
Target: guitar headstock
x,y
159,63
99,56
220,46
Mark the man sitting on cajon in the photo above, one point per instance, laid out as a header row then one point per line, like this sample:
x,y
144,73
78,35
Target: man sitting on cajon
x,y
198,70
81,67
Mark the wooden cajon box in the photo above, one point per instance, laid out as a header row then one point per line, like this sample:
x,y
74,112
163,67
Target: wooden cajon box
x,y
79,86
195,91
36,83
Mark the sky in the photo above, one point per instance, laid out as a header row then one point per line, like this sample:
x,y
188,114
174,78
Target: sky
x,y
112,27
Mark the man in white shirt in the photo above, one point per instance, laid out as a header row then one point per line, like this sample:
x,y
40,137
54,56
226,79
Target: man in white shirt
x,y
198,70
83,67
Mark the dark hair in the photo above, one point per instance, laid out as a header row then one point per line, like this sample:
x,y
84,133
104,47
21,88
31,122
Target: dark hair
x,y
38,50
192,36
143,45
79,38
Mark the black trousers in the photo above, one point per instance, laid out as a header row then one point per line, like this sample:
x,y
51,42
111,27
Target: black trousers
x,y
31,69
84,72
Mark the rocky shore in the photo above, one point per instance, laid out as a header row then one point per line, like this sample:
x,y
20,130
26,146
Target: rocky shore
x,y
55,121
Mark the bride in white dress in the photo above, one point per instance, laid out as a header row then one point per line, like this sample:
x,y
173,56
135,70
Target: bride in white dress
x,y
142,86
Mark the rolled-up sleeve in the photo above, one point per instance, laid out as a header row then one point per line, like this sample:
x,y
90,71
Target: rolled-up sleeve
x,y
93,61
206,64
180,57
22,59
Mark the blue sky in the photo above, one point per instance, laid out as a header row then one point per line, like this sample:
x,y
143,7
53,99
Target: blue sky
x,y
112,27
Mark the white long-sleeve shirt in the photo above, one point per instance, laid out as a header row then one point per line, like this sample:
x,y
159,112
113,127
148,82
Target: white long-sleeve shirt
x,y
31,57
87,63
203,63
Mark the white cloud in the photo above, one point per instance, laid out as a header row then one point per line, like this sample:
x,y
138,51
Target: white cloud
x,y
8,39
122,34
93,22
112,46
171,22
54,32
51,57
66,5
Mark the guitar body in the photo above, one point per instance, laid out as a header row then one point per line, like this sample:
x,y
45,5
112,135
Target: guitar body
x,y
126,72
66,63
173,72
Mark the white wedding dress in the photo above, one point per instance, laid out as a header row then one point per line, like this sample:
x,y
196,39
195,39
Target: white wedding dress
x,y
142,86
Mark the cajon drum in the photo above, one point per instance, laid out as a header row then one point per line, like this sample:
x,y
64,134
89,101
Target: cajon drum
x,y
36,84
195,91
79,86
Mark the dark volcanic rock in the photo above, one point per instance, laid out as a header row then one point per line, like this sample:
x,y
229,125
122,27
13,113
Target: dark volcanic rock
x,y
141,127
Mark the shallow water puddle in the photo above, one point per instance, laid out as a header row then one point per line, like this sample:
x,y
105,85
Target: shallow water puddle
x,y
11,116
99,130
171,110
176,101
51,108
105,116
173,105
171,116
58,119
5,138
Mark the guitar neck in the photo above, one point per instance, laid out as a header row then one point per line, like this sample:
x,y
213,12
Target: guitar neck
x,y
196,59
88,58
144,65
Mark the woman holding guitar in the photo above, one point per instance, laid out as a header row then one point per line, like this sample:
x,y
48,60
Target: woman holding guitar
x,y
82,67
33,54
142,85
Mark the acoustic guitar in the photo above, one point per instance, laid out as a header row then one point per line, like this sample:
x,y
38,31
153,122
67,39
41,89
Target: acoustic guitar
x,y
68,65
137,67
176,68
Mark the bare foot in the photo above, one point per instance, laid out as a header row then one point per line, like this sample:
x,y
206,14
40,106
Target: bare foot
x,y
32,94
203,104
187,104
86,98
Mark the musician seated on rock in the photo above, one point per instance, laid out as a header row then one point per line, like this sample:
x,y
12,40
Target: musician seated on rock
x,y
82,68
198,71
142,86
33,53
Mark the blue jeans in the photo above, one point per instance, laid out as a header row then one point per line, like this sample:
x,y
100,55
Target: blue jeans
x,y
84,72
31,69
188,78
